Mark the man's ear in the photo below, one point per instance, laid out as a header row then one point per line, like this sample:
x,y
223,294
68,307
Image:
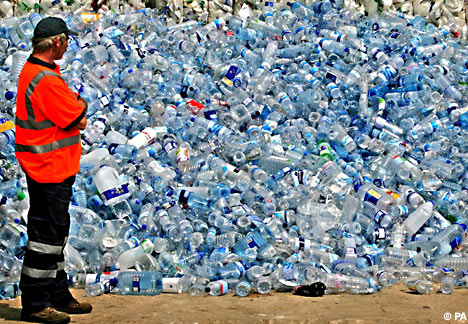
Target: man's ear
x,y
57,41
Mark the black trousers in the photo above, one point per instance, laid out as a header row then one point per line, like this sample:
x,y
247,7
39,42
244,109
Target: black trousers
x,y
43,280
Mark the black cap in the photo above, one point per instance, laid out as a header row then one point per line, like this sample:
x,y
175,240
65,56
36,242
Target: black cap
x,y
51,26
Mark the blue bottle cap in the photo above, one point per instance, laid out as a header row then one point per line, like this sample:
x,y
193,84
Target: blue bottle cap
x,y
357,184
9,95
113,282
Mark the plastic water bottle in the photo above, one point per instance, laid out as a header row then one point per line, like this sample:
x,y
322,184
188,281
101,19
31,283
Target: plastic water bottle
x,y
243,288
19,59
417,218
111,188
14,237
138,283
128,258
446,285
217,288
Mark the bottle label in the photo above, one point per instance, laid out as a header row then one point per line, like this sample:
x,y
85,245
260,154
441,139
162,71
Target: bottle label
x,y
398,240
456,242
115,192
89,17
379,234
223,285
301,244
182,154
338,281
346,140
324,149
300,177
147,245
194,106
350,251
251,242
148,136
227,82
184,195
379,215
283,98
288,272
135,283
247,101
379,273
7,125
372,196
370,259
240,266
281,215
355,74
170,146
104,101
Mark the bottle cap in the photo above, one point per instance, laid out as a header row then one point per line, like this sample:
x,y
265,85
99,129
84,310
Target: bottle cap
x,y
113,282
357,184
20,194
9,95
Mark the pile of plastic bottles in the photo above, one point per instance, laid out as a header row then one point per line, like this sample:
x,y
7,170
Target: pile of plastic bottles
x,y
439,12
306,144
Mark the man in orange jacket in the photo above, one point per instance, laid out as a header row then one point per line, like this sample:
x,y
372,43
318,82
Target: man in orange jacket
x,y
49,118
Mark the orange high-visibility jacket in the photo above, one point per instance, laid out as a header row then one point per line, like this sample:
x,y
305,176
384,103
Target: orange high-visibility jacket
x,y
48,146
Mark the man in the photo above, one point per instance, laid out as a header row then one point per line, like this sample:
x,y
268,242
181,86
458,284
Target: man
x,y
49,118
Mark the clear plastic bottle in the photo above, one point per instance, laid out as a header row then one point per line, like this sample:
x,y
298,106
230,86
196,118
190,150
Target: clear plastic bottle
x,y
447,285
243,288
138,283
110,186
128,258
418,217
369,192
217,288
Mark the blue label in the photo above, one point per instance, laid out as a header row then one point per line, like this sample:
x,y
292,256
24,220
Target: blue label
x,y
379,215
251,242
370,259
455,242
136,284
115,192
184,196
330,76
435,124
231,73
372,196
210,115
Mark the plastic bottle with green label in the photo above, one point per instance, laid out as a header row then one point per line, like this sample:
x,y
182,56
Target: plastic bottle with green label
x,y
324,150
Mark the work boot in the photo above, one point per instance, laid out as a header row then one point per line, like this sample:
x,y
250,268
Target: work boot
x,y
75,307
48,315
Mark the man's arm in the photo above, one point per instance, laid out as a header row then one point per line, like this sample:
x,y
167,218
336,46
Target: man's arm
x,y
82,123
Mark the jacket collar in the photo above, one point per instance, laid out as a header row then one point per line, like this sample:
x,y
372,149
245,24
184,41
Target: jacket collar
x,y
35,60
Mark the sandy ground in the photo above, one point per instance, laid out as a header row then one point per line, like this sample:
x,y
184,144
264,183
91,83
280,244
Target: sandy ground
x,y
394,305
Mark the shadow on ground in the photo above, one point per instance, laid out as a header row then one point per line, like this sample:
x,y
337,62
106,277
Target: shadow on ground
x,y
9,313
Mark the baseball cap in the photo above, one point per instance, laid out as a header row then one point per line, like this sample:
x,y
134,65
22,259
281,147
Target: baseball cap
x,y
51,26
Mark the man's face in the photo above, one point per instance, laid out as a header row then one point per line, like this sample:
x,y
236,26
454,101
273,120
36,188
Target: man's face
x,y
60,48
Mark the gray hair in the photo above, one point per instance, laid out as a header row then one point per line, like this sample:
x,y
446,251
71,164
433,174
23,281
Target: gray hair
x,y
42,44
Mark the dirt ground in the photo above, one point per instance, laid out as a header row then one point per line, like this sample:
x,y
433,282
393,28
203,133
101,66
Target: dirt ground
x,y
394,305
